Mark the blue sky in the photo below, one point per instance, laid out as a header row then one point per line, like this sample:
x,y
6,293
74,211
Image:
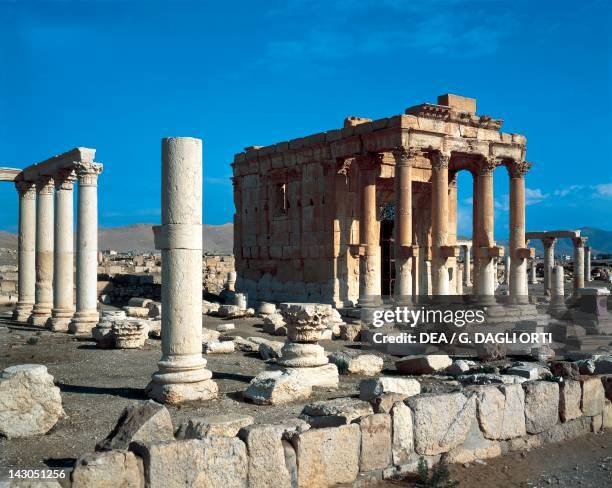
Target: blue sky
x,y
119,76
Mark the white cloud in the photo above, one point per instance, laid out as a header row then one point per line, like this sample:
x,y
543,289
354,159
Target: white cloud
x,y
604,190
534,195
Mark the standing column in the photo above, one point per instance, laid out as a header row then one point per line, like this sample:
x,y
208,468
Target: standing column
x,y
475,227
557,292
439,223
63,264
578,263
549,262
26,250
403,223
44,252
587,264
86,316
518,251
533,279
369,267
182,374
485,227
506,280
467,264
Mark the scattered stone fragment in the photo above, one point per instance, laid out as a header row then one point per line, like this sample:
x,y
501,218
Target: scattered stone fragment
x,y
219,347
245,345
542,353
274,324
230,311
423,364
350,332
139,302
276,387
490,379
266,308
209,335
384,403
155,309
225,327
155,328
130,333
565,369
209,307
146,421
108,469
603,365
366,365
30,404
526,370
213,425
136,312
332,413
270,349
460,366
371,388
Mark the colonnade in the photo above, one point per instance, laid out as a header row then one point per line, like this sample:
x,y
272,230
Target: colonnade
x,y
46,243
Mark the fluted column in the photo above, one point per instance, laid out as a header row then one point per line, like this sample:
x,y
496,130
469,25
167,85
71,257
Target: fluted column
x,y
578,262
587,264
439,223
26,250
86,315
182,374
467,264
44,252
63,263
403,223
485,240
518,251
369,266
549,262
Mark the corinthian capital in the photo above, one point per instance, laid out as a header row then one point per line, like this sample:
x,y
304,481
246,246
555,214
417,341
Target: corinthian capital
x,y
44,186
26,189
64,179
87,173
486,165
440,160
404,156
518,169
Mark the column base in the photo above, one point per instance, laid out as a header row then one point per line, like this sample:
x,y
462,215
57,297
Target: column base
x,y
369,302
60,319
182,379
22,311
40,314
83,322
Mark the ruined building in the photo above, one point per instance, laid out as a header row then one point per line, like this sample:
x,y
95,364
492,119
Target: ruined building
x,y
349,215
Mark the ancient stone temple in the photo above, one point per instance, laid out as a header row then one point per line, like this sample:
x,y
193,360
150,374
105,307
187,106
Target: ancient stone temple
x,y
369,210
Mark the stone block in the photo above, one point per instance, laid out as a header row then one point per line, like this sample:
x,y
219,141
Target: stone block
x,y
213,425
219,347
423,364
541,405
570,395
277,387
332,413
593,396
607,415
441,421
372,388
328,456
385,402
375,450
108,469
501,411
402,446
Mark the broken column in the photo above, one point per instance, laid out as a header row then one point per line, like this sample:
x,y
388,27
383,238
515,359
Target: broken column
x,y
231,281
182,374
44,252
86,316
549,262
578,263
26,250
63,263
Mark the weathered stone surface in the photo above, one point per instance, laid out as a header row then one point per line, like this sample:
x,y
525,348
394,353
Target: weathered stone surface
x,y
350,332
375,450
223,347
136,312
541,405
209,462
564,431
276,387
209,336
441,421
305,321
501,411
592,396
155,328
230,311
209,307
366,365
130,333
570,394
490,379
270,349
297,355
146,421
213,425
565,369
596,423
269,457
139,302
403,438
245,345
226,327
423,364
274,324
266,308
528,371
325,376
30,404
328,456
603,365
109,469
460,366
474,447
371,388
607,415
331,413
384,403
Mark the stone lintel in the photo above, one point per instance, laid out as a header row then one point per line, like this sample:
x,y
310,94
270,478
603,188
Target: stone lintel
x,y
554,234
53,165
9,174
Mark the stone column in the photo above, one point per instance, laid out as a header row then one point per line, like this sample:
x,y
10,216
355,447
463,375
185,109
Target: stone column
x,y
403,223
485,240
231,281
86,316
517,248
182,374
475,217
578,263
506,279
44,253
369,267
587,264
557,300
439,223
63,263
533,279
26,250
549,262
467,264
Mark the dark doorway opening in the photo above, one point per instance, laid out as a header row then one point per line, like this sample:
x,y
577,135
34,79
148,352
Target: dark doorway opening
x,y
387,259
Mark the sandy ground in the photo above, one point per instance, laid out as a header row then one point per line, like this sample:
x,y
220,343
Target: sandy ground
x,y
96,384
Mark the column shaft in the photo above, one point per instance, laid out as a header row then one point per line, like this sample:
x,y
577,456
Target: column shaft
x,y
587,264
403,224
578,263
485,227
44,253
467,264
26,250
86,315
369,269
518,263
549,262
439,223
182,374
63,264
475,225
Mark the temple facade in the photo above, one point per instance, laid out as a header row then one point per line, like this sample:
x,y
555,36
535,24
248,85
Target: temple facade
x,y
354,214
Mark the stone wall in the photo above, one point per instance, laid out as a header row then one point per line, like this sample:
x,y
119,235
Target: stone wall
x,y
8,283
386,440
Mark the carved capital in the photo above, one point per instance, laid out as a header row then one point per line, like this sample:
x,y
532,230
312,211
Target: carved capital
x,y
486,166
345,166
440,160
64,179
26,189
45,186
404,156
518,169
87,173
549,241
579,241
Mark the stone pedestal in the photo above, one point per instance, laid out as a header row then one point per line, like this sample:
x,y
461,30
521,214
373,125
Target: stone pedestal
x,y
86,316
44,253
63,272
182,374
26,250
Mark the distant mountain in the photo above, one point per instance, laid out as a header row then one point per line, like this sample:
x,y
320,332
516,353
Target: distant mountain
x,y
139,237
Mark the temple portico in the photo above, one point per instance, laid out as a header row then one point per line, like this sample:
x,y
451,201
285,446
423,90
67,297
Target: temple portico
x,y
45,241
370,210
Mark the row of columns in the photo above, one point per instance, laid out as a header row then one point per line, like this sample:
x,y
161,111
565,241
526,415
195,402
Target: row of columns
x,y
46,250
581,262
